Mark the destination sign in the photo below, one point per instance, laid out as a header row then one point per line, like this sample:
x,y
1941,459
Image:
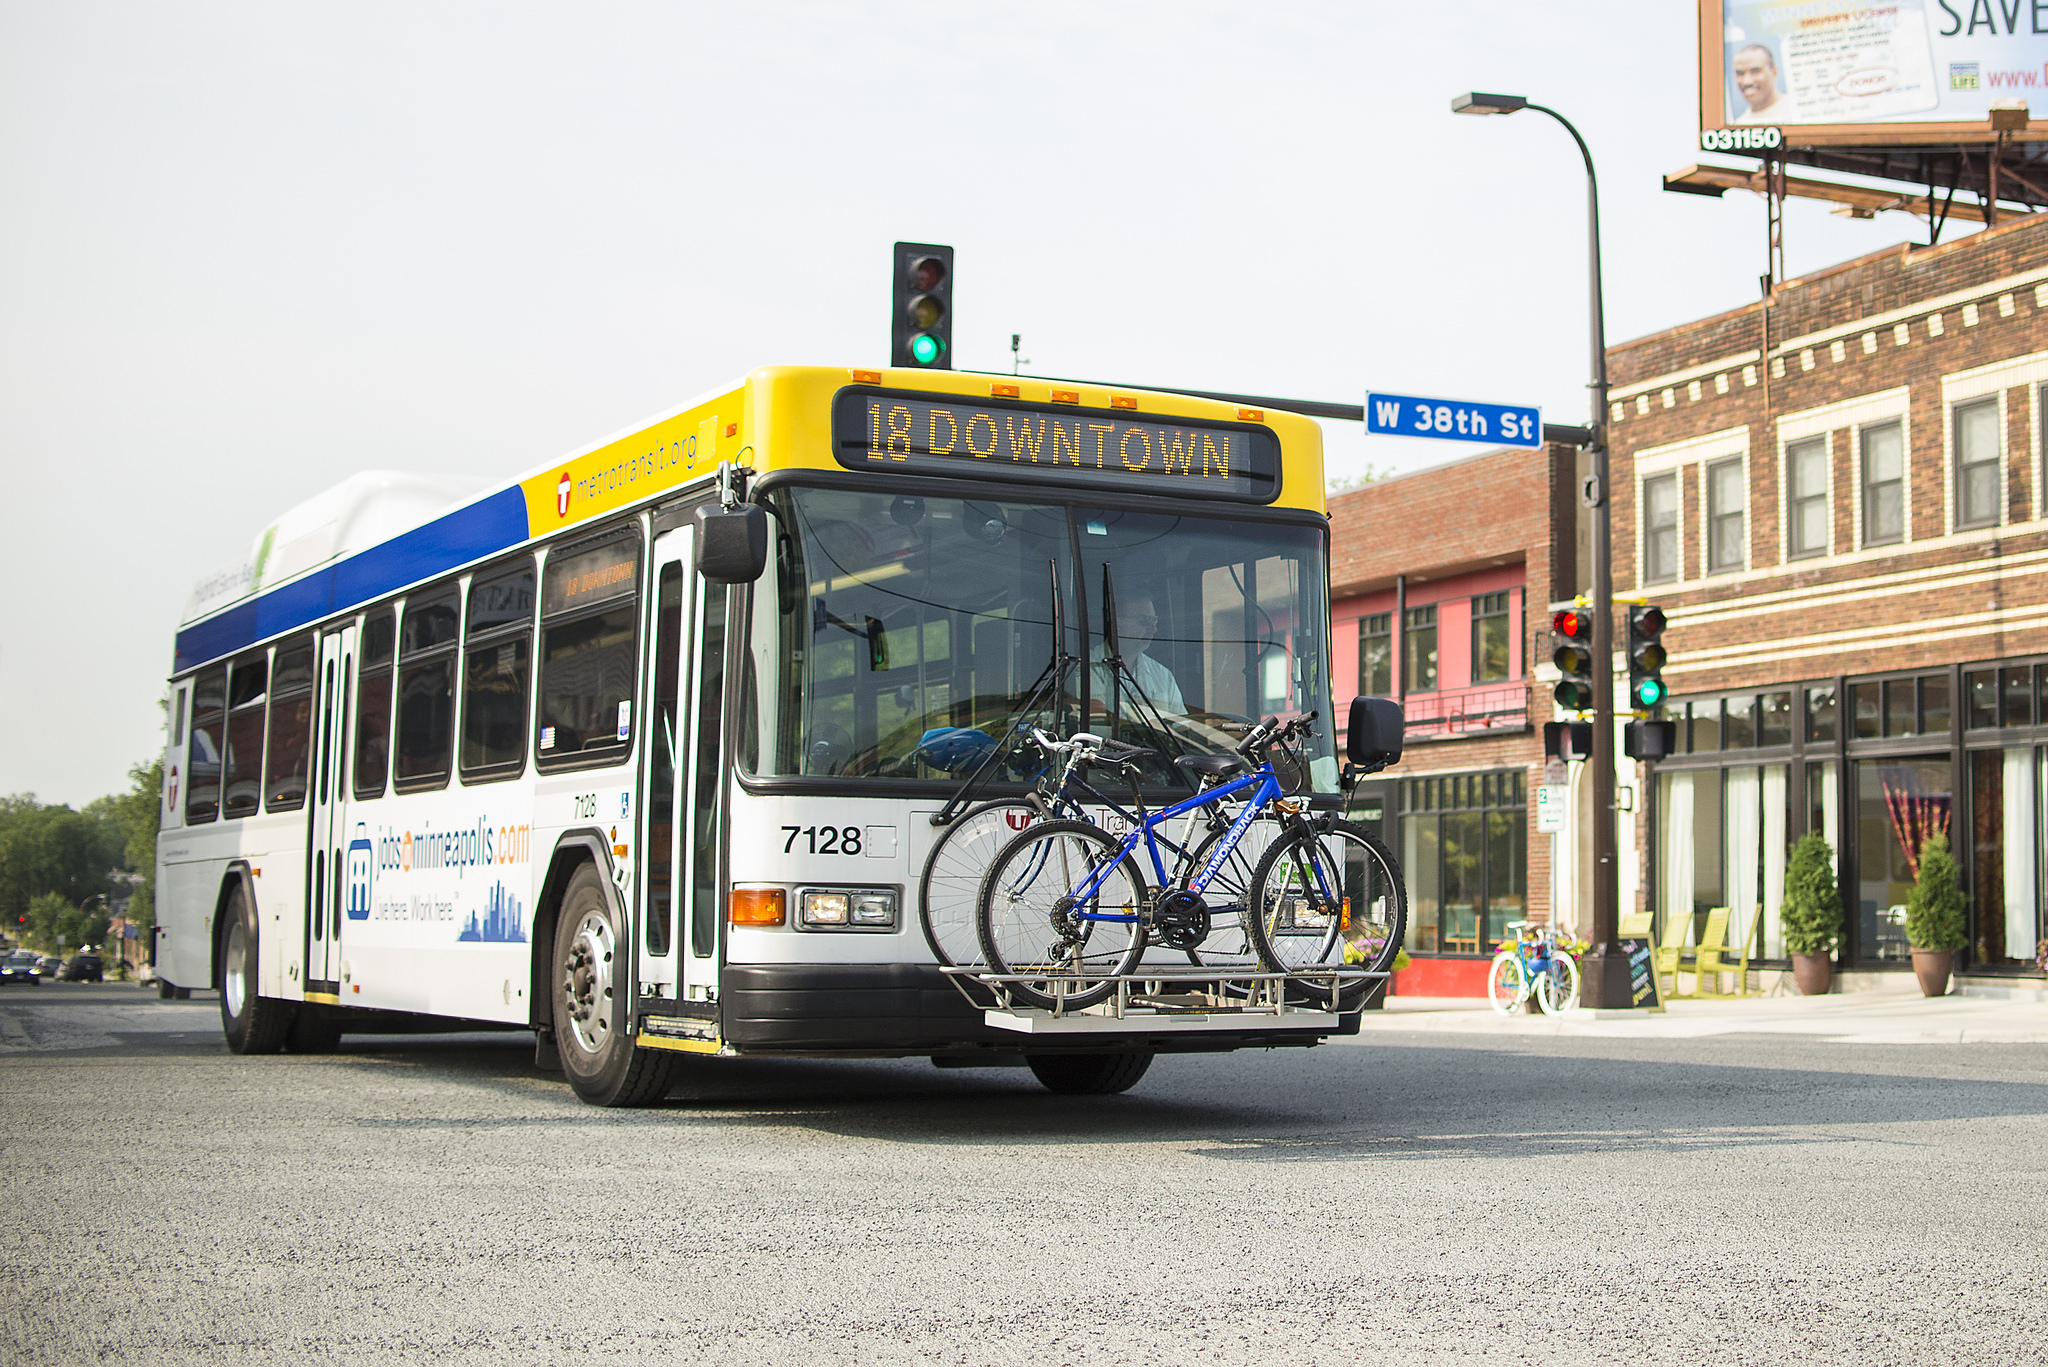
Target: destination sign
x,y
1071,446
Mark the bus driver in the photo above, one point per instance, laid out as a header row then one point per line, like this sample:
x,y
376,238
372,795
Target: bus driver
x,y
1136,625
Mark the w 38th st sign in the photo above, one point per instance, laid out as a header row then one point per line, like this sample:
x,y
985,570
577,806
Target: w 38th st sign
x,y
1496,424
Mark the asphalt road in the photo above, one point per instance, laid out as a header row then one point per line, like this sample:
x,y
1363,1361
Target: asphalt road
x,y
1406,1198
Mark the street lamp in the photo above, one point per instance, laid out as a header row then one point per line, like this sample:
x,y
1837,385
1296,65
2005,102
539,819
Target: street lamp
x,y
1605,968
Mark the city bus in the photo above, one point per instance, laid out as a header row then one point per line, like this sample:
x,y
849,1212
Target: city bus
x,y
538,757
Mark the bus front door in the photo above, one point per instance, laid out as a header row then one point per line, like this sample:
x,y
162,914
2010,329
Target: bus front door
x,y
331,868
678,948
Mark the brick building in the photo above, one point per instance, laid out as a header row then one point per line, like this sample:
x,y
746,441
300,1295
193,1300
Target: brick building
x,y
1439,581
1838,496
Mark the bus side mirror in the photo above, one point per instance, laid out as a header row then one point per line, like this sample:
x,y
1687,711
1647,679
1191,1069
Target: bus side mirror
x,y
1374,739
732,543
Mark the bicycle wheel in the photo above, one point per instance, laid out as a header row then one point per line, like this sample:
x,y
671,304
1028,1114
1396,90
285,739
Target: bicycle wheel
x,y
1326,897
1504,981
1032,925
951,881
1558,989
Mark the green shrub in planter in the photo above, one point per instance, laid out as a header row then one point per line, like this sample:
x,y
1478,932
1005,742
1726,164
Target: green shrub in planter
x,y
1934,908
1812,912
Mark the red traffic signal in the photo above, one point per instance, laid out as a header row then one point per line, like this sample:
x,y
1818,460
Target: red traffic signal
x,y
1572,624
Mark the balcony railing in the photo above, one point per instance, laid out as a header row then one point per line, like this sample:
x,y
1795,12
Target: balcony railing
x,y
1467,712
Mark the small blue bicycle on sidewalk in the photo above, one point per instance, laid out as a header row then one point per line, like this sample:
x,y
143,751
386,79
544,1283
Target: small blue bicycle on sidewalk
x,y
1064,911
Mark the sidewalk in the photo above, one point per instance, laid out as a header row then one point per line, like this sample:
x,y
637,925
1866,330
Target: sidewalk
x,y
1881,1017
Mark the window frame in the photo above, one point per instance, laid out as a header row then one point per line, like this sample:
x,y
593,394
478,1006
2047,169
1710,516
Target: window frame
x,y
451,650
634,603
1504,614
1866,486
259,706
1367,634
286,695
1652,533
1959,467
366,671
498,635
1712,517
1418,618
1819,444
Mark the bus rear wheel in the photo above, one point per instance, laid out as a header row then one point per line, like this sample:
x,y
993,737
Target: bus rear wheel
x,y
1090,1074
251,1023
592,1016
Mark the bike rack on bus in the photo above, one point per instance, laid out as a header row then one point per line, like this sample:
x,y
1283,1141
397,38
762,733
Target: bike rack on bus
x,y
1158,999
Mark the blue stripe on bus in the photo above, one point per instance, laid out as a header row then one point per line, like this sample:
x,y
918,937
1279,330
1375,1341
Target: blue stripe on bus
x,y
447,542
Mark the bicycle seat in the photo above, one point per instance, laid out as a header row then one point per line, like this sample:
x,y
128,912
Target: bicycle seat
x,y
1211,766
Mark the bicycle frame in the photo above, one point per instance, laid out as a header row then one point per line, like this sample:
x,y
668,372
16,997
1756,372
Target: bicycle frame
x,y
1268,791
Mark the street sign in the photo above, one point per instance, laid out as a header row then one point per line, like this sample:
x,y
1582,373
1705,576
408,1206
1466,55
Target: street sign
x,y
1550,807
1497,424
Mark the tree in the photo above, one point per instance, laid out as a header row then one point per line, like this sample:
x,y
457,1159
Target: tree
x,y
1934,908
136,814
52,849
1812,913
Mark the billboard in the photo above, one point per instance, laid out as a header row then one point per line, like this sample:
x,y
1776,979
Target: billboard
x,y
1872,72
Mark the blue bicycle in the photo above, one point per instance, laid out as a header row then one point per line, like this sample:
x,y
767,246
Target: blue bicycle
x,y
1064,911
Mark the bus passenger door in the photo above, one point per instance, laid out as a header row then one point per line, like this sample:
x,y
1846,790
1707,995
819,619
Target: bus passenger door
x,y
327,853
668,968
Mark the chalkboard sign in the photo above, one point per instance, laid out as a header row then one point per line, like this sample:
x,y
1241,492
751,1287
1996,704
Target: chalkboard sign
x,y
1642,961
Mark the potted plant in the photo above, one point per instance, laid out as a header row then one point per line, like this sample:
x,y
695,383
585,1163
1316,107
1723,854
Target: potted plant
x,y
1935,927
1812,915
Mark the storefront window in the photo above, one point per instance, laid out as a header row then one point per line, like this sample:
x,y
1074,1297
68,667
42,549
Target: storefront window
x,y
1464,849
1723,845
1899,804
1820,715
2002,839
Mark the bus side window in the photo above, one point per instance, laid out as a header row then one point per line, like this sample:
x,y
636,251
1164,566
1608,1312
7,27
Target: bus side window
x,y
705,902
661,796
248,696
373,712
209,734
590,619
497,665
291,728
426,691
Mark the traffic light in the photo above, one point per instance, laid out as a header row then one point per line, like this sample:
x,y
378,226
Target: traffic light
x,y
1574,659
1646,690
921,324
1649,739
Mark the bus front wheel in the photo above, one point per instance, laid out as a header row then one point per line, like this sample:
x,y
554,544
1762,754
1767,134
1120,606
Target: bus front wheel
x,y
592,1014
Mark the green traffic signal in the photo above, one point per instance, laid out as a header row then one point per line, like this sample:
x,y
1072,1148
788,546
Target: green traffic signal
x,y
1574,696
1651,693
926,348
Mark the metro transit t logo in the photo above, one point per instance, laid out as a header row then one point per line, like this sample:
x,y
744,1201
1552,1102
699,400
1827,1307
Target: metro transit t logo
x,y
562,495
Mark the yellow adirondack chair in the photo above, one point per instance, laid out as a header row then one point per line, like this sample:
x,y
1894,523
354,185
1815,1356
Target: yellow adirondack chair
x,y
1713,941
1715,961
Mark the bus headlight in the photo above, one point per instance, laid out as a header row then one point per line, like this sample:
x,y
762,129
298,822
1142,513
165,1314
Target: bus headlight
x,y
847,908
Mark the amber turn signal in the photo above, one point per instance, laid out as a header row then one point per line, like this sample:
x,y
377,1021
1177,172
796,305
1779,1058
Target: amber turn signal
x,y
757,906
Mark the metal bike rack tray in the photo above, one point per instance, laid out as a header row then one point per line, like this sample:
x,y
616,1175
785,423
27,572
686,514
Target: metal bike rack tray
x,y
1182,1001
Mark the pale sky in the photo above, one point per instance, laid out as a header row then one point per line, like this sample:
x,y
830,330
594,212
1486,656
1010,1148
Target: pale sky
x,y
251,249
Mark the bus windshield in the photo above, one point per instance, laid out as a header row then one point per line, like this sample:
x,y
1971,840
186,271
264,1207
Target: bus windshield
x,y
900,637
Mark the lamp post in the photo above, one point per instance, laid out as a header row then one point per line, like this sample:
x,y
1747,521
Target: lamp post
x,y
1605,968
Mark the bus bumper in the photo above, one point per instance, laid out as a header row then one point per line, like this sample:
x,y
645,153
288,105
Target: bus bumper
x,y
905,1009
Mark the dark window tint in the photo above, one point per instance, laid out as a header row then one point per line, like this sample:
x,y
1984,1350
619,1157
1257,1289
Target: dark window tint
x,y
1740,732
291,728
426,721
1821,720
1982,688
1774,719
1376,655
209,740
661,791
373,708
247,693
705,899
494,680
1869,705
1934,709
426,691
2017,686
1706,724
588,654
1901,708
497,667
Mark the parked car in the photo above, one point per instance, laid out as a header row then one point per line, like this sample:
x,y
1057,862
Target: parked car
x,y
52,965
21,968
83,968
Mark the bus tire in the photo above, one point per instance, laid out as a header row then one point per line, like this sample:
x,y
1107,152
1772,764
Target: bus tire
x,y
250,1022
592,1013
1090,1074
